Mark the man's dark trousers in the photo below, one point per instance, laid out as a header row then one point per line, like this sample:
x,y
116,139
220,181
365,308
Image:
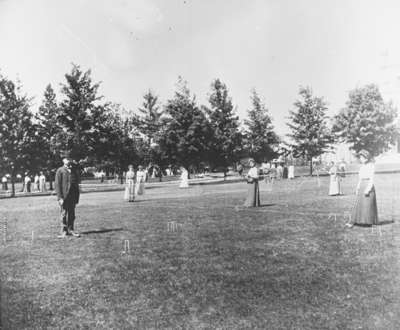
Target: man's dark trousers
x,y
68,209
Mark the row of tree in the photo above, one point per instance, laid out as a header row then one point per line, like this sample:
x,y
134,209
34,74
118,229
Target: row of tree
x,y
180,132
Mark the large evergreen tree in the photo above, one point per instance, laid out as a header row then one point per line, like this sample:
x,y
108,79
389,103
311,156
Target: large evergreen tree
x,y
149,121
226,141
80,114
149,125
310,133
186,135
48,130
367,122
260,136
16,130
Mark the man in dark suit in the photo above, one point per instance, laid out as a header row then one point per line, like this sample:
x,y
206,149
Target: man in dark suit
x,y
67,188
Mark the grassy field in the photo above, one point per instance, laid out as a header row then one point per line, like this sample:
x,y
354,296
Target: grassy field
x,y
196,259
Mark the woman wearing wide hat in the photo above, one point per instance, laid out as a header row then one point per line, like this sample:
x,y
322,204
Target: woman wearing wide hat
x,y
253,193
365,211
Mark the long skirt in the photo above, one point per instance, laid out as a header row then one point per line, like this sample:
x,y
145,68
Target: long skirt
x,y
291,172
334,186
42,186
253,195
129,191
139,190
365,210
184,183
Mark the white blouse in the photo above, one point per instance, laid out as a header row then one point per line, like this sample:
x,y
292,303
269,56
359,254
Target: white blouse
x,y
140,176
130,175
253,173
333,171
366,172
185,175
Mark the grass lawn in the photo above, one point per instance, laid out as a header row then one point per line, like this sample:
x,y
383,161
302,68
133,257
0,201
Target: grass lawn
x,y
289,264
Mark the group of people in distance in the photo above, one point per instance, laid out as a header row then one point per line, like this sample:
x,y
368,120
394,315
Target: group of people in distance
x,y
135,183
277,171
336,173
365,210
38,184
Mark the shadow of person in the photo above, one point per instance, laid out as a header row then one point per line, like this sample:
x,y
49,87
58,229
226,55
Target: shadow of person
x,y
267,205
385,222
100,231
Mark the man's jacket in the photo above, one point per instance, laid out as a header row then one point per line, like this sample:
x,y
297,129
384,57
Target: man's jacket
x,y
64,184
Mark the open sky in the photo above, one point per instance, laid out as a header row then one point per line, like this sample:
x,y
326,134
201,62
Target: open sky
x,y
271,45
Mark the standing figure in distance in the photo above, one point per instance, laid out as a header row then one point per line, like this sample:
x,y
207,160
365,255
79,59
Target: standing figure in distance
x,y
342,173
240,169
285,172
36,182
184,178
4,182
253,193
267,173
42,182
273,173
279,171
27,183
130,185
334,185
67,190
141,176
291,172
365,211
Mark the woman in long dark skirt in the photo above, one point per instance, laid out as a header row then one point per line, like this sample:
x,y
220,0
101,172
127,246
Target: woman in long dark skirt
x,y
253,193
365,211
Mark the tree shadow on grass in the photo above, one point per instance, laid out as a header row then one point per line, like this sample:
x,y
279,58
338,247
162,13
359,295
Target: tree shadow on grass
x,y
101,231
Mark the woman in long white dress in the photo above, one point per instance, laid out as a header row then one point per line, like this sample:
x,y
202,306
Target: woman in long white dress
x,y
140,181
184,178
253,192
365,211
130,185
36,181
42,182
334,185
291,172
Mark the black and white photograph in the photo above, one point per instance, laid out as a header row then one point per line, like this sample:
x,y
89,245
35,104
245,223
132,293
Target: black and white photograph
x,y
199,164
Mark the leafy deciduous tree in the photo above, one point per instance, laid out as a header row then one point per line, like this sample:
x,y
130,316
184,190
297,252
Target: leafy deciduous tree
x,y
367,122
